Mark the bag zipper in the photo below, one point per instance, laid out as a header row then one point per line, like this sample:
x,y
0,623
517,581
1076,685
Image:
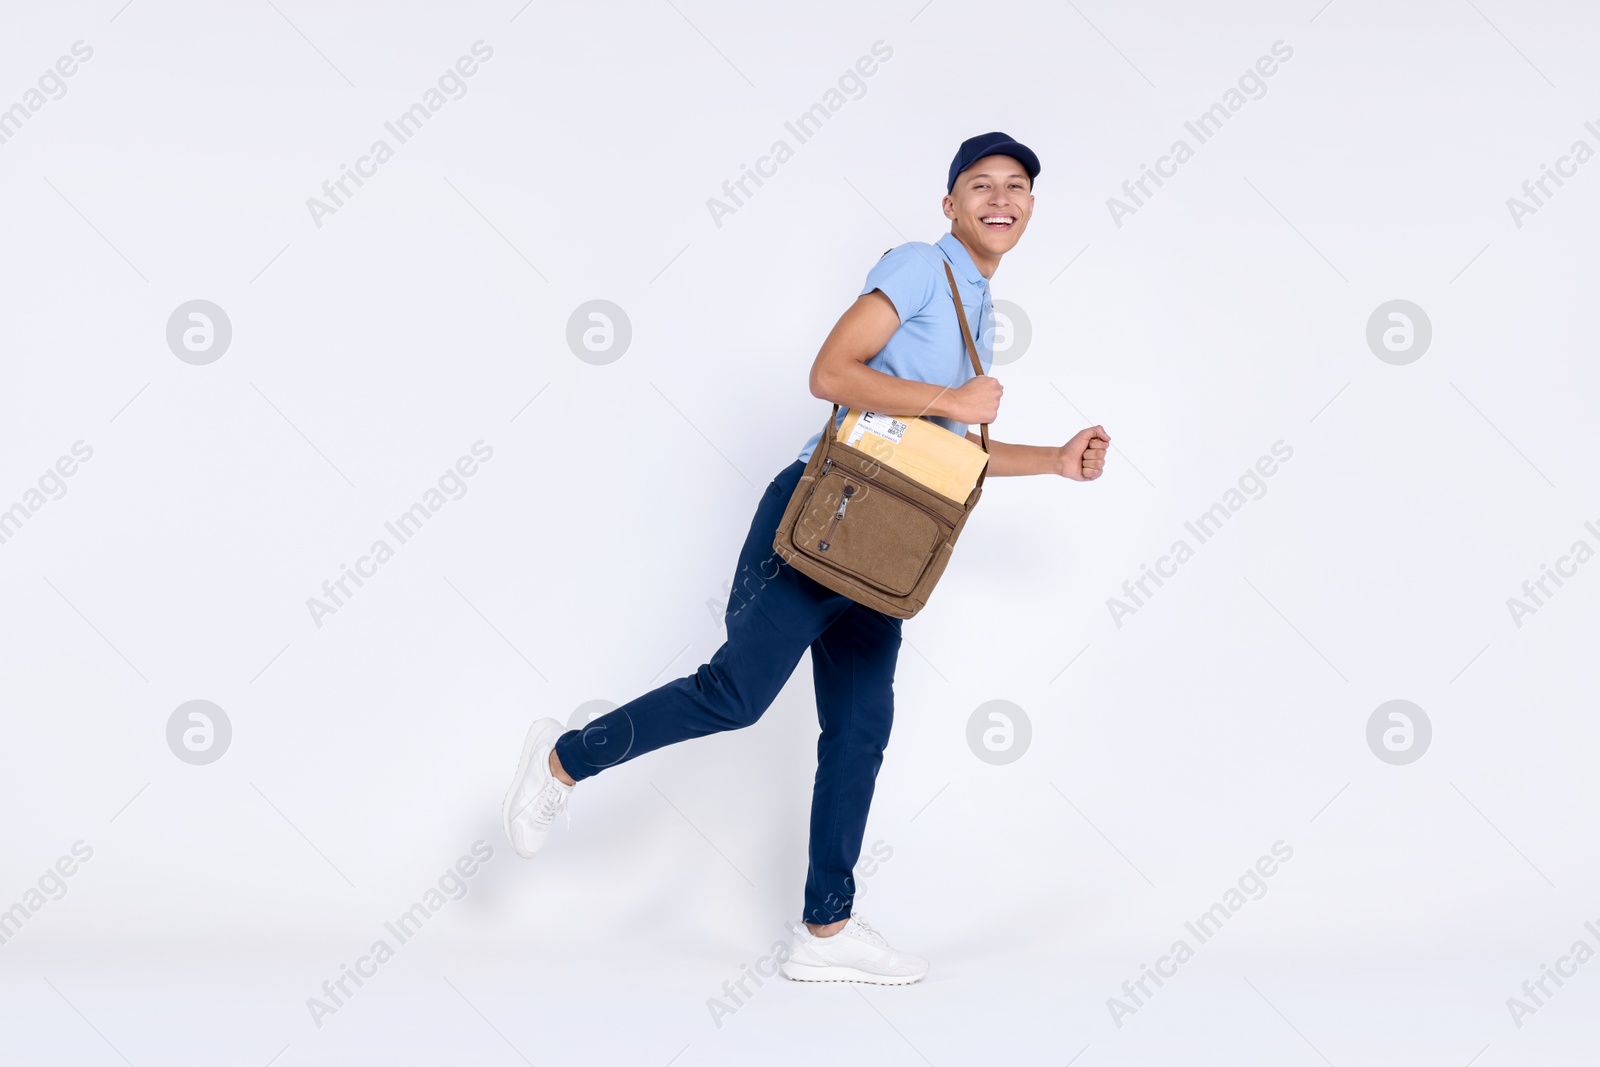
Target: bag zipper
x,y
827,534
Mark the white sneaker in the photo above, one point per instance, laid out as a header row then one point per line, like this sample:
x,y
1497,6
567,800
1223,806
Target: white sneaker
x,y
535,795
857,953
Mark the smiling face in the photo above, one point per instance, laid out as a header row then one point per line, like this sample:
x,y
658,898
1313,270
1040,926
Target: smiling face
x,y
990,205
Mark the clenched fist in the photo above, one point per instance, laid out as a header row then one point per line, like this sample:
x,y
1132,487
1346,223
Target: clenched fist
x,y
1083,459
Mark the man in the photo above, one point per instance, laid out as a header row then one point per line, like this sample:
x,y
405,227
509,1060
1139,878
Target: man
x,y
897,350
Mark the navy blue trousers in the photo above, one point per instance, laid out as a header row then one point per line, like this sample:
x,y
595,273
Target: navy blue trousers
x,y
774,614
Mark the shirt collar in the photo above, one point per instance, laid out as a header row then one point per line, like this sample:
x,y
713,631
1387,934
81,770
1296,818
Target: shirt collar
x,y
960,260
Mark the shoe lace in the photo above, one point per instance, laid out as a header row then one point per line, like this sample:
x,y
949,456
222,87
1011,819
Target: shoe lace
x,y
870,933
552,800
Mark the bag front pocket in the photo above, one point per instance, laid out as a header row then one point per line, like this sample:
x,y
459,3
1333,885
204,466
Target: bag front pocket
x,y
870,532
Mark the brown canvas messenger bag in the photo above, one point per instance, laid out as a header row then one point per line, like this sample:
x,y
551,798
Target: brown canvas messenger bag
x,y
864,529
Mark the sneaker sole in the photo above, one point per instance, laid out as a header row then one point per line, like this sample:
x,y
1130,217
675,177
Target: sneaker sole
x,y
530,744
847,974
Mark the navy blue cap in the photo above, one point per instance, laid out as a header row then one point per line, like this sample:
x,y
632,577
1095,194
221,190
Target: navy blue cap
x,y
992,144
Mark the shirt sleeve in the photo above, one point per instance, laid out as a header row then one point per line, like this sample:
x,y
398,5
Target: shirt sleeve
x,y
906,276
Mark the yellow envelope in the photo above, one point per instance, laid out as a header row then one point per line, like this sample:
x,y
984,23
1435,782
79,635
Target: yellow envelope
x,y
924,451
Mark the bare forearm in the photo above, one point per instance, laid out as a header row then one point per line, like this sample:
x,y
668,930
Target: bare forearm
x,y
1008,459
856,385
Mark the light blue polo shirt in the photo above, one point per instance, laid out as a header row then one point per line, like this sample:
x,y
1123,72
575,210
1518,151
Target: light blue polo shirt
x,y
927,346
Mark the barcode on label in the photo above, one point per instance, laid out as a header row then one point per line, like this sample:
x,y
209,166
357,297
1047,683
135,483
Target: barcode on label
x,y
885,426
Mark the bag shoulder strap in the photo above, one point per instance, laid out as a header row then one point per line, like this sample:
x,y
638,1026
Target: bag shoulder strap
x,y
966,336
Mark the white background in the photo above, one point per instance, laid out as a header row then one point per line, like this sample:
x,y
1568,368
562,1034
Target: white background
x,y
588,558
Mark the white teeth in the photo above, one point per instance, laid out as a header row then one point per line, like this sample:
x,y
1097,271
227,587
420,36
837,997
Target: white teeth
x,y
999,218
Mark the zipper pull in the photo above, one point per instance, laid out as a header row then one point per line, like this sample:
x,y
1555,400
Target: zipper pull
x,y
849,491
822,545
